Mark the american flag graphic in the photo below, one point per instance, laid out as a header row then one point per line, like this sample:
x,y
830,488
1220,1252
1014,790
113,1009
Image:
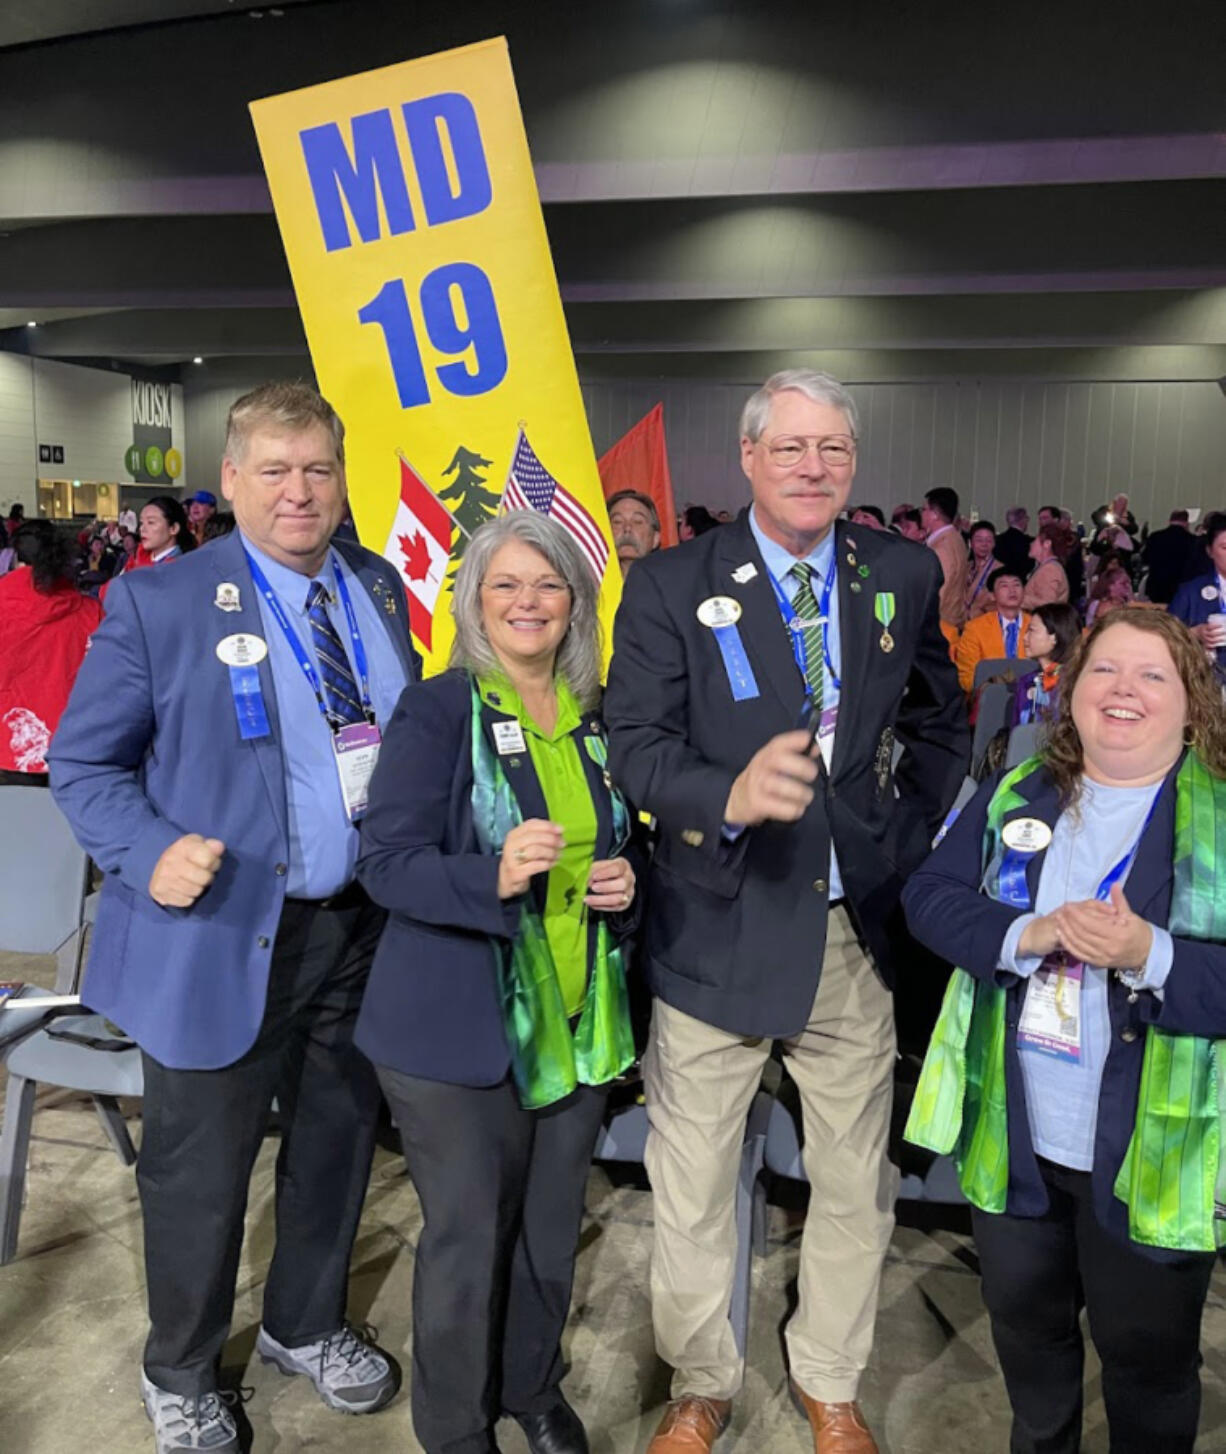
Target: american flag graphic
x,y
530,486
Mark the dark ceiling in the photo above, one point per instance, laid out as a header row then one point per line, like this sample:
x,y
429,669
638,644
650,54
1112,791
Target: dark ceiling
x,y
894,189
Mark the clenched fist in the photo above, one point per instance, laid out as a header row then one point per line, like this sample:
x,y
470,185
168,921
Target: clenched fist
x,y
185,870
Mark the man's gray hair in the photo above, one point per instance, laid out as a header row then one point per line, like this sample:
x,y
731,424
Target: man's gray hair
x,y
820,388
1017,514
578,660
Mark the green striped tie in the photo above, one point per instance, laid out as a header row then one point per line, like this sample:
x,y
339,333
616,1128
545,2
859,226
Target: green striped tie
x,y
804,603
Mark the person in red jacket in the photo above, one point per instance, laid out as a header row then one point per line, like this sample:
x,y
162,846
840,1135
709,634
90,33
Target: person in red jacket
x,y
45,626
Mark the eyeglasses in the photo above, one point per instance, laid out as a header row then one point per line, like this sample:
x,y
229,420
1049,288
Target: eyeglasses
x,y
835,450
506,589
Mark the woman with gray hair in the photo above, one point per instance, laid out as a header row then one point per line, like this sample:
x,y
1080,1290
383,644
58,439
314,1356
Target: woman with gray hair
x,y
496,1011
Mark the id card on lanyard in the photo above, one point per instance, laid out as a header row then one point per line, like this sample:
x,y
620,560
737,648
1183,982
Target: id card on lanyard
x,y
800,650
355,745
1051,1020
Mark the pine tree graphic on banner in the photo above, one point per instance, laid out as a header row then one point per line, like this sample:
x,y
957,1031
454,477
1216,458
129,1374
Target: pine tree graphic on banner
x,y
470,502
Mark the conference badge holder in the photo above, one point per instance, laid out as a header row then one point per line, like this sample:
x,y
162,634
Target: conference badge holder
x,y
1051,1015
356,749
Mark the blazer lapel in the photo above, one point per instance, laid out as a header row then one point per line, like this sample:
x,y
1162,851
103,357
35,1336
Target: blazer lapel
x,y
1153,873
521,778
762,628
231,570
856,618
388,599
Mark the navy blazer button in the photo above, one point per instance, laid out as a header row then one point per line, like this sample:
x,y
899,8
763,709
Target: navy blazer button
x,y
1128,1036
262,941
820,885
281,870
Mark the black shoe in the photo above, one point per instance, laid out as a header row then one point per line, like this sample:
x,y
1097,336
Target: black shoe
x,y
557,1431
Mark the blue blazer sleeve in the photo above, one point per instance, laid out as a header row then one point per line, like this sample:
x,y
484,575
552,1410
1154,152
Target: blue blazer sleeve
x,y
99,750
409,861
942,900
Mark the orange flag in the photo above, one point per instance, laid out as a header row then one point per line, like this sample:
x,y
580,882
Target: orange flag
x,y
639,461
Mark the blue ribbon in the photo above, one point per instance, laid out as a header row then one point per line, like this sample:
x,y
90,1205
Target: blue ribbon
x,y
249,705
736,663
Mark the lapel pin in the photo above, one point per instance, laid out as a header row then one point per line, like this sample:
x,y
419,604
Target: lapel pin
x,y
745,573
227,598
851,544
851,559
883,609
863,571
854,588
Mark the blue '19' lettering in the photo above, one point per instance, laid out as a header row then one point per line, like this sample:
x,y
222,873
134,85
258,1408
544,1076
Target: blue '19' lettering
x,y
426,121
443,293
374,170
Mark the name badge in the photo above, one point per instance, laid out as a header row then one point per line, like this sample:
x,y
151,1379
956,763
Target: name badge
x,y
718,611
1050,1023
1208,593
356,749
1026,835
509,738
825,733
242,649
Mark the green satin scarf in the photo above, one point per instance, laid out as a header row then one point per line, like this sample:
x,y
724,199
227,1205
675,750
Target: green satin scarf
x,y
547,1060
1172,1178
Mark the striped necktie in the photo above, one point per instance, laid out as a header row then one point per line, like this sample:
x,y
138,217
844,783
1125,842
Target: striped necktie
x,y
340,690
804,603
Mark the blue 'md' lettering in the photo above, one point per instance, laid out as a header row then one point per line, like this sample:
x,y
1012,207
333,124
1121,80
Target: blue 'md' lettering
x,y
372,171
425,121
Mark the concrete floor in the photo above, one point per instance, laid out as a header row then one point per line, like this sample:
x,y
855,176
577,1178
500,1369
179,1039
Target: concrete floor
x,y
72,1322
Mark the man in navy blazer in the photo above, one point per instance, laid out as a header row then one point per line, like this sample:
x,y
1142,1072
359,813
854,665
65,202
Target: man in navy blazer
x,y
200,762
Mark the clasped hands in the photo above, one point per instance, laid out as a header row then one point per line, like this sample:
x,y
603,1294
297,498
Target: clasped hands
x,y
1106,934
535,845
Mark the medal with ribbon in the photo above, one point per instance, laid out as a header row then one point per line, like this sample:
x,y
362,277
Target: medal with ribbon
x,y
883,609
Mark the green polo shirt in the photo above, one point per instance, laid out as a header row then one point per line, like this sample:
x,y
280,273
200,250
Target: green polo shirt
x,y
555,756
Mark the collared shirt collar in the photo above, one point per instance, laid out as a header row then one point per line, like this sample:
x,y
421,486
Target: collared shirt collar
x,y
941,530
779,561
291,585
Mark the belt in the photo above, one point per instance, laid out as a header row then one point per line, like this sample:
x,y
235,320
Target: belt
x,y
837,903
352,896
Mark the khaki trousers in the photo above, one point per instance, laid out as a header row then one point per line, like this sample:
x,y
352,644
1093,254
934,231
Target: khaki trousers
x,y
699,1083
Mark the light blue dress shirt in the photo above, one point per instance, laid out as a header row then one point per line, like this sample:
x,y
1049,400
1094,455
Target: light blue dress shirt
x,y
1062,1096
822,562
323,844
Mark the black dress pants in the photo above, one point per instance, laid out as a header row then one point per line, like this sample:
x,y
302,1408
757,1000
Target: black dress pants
x,y
501,1192
202,1132
1145,1316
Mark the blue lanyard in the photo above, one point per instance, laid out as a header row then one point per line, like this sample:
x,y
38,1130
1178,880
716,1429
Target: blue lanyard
x,y
1016,891
295,641
800,647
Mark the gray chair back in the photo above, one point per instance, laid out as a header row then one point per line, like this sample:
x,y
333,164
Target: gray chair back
x,y
42,873
1024,741
1003,666
994,704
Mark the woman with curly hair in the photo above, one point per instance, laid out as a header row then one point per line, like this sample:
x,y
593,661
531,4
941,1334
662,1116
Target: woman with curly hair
x,y
1074,1070
1050,548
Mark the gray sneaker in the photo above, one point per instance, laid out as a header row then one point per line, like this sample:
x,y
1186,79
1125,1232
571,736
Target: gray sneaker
x,y
190,1423
348,1371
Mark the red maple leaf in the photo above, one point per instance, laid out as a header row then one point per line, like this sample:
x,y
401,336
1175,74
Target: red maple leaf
x,y
416,555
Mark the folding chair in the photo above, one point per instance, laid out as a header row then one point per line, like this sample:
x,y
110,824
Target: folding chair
x,y
1024,741
1008,668
993,717
43,910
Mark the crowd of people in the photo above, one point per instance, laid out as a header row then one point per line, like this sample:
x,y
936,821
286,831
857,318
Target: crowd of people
x,y
439,893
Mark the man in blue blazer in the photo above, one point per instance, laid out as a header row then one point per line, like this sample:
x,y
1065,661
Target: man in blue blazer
x,y
213,760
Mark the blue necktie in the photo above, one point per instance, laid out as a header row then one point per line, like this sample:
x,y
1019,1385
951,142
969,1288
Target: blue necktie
x,y
340,690
1011,638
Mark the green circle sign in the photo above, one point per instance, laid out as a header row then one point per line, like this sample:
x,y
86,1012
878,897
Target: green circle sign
x,y
174,463
132,459
153,460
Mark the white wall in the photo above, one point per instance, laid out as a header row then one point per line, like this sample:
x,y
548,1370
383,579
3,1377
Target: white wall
x,y
88,411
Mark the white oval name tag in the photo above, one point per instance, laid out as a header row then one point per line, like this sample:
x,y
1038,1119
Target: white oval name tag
x,y
1208,593
718,611
1026,835
242,649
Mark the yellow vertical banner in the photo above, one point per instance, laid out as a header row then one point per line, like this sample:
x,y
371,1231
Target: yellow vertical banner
x,y
410,218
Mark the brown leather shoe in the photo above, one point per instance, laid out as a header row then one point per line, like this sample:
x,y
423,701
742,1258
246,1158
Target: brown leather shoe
x,y
691,1425
837,1428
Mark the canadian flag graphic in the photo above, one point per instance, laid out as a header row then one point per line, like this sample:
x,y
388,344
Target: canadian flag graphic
x,y
419,547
